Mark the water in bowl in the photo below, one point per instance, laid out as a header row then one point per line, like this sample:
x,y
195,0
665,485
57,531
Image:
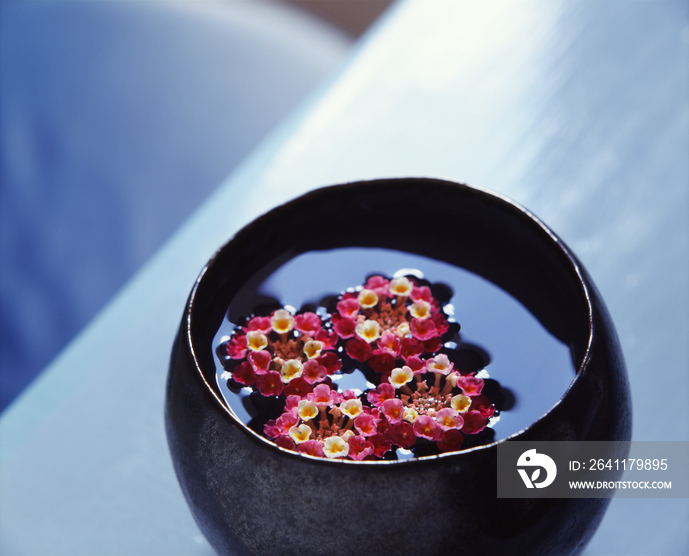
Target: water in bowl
x,y
533,369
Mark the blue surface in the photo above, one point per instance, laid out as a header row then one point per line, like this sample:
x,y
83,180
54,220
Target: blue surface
x,y
577,110
117,119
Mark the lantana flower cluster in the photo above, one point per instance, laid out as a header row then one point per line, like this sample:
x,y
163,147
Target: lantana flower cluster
x,y
393,330
283,353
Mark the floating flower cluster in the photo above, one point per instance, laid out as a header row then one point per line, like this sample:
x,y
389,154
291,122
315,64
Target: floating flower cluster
x,y
388,320
394,331
282,353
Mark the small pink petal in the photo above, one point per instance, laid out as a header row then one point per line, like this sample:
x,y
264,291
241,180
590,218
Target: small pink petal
x,y
307,323
244,374
348,308
426,427
393,409
470,385
358,349
473,422
270,383
423,329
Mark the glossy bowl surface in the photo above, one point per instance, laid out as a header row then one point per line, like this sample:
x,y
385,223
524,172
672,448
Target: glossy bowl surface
x,y
250,497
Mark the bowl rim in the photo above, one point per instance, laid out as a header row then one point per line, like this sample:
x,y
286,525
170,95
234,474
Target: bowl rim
x,y
492,196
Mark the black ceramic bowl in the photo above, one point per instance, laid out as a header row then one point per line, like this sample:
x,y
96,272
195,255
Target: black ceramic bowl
x,y
251,497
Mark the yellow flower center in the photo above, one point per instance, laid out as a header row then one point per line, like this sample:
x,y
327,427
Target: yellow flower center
x,y
352,408
300,434
420,309
256,341
368,299
335,446
410,415
460,403
313,348
401,376
291,369
307,409
401,286
368,330
282,321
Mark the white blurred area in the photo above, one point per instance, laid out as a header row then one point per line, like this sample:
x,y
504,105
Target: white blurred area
x,y
117,119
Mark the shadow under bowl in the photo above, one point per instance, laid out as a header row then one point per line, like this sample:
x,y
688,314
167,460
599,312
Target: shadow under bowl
x,y
251,497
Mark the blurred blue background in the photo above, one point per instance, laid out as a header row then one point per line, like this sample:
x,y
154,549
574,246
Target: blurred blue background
x,y
116,120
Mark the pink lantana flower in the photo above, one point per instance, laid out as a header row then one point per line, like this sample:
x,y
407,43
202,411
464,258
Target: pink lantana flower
x,y
271,429
329,339
390,343
313,371
292,404
285,442
244,374
307,323
450,441
402,434
410,348
270,383
470,385
423,329
260,361
359,447
393,409
285,422
298,387
439,364
449,418
384,391
474,422
483,405
381,444
396,328
432,345
379,285
416,364
331,362
358,349
426,427
381,362
236,347
440,321
343,326
366,424
312,448
323,395
260,324
348,307
422,293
